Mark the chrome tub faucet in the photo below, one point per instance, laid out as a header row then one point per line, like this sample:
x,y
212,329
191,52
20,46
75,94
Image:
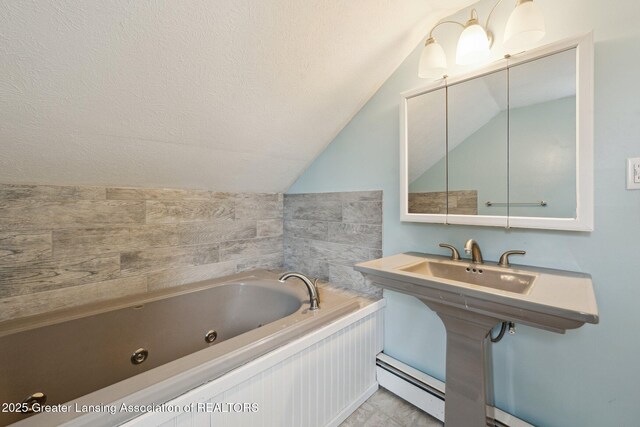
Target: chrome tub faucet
x,y
311,287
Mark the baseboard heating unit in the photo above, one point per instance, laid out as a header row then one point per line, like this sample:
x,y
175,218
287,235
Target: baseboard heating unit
x,y
428,393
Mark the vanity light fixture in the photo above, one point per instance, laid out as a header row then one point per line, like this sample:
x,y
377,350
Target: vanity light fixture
x,y
524,27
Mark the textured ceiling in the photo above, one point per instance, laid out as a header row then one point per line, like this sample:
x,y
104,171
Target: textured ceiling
x,y
224,95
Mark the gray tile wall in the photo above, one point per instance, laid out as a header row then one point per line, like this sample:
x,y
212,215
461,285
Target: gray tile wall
x,y
64,246
326,233
462,202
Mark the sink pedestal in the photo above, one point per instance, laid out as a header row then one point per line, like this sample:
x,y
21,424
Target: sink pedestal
x,y
470,301
468,389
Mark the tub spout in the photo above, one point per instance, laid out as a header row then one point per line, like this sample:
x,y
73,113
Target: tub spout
x,y
311,287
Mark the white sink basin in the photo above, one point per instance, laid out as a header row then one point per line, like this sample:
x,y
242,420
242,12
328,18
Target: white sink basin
x,y
478,275
554,300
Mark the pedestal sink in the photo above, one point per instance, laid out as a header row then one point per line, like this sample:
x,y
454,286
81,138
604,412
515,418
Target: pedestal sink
x,y
471,299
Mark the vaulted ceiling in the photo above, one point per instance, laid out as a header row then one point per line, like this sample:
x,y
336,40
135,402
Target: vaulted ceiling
x,y
235,95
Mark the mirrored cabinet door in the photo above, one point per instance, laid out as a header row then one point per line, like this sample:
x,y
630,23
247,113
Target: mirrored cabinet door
x,y
508,145
542,137
477,144
426,153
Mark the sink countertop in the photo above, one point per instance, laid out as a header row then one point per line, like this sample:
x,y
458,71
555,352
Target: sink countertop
x,y
554,292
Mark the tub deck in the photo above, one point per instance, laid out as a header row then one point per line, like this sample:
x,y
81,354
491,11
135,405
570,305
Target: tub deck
x,y
82,356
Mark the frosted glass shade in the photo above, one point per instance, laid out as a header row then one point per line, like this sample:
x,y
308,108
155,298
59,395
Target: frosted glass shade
x,y
433,61
524,27
473,45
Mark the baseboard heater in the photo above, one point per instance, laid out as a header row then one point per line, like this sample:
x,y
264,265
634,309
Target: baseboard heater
x,y
428,393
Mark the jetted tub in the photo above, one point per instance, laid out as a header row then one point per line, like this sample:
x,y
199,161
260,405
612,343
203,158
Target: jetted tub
x,y
150,348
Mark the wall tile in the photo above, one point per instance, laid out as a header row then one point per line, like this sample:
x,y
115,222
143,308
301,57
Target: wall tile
x,y
318,230
176,276
268,262
464,202
250,248
41,302
319,210
295,248
325,234
467,199
300,198
25,278
311,267
338,253
164,212
20,247
55,238
349,278
50,192
361,196
375,253
95,241
163,194
362,212
365,235
433,203
269,228
215,232
258,206
46,214
150,260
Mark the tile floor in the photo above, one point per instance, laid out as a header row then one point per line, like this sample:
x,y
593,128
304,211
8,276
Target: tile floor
x,y
385,409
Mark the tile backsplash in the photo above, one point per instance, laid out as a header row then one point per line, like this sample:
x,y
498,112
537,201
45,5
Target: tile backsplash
x,y
62,246
461,202
326,233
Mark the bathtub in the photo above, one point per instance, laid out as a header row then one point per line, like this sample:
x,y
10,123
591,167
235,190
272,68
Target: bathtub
x,y
151,348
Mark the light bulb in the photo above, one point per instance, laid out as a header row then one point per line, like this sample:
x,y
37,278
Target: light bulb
x,y
473,44
524,27
433,61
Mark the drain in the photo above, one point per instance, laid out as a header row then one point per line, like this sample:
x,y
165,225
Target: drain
x,y
139,356
31,401
211,336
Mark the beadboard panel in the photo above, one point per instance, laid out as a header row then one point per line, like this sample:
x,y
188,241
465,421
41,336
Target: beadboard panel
x,y
317,380
62,246
326,233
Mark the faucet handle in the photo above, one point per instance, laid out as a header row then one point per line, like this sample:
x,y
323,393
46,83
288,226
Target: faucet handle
x,y
455,255
504,258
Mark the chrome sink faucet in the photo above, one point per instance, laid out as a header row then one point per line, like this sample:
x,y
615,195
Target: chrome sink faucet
x,y
311,287
471,247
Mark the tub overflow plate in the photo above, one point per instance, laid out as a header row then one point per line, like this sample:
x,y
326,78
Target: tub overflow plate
x,y
28,403
139,356
211,336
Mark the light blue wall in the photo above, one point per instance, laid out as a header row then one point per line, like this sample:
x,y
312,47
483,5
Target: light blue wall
x,y
542,161
589,376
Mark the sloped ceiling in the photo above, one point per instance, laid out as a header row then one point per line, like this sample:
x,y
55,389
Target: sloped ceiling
x,y
235,95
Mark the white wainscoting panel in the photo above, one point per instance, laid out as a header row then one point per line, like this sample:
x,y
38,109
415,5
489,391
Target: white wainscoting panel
x,y
317,380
